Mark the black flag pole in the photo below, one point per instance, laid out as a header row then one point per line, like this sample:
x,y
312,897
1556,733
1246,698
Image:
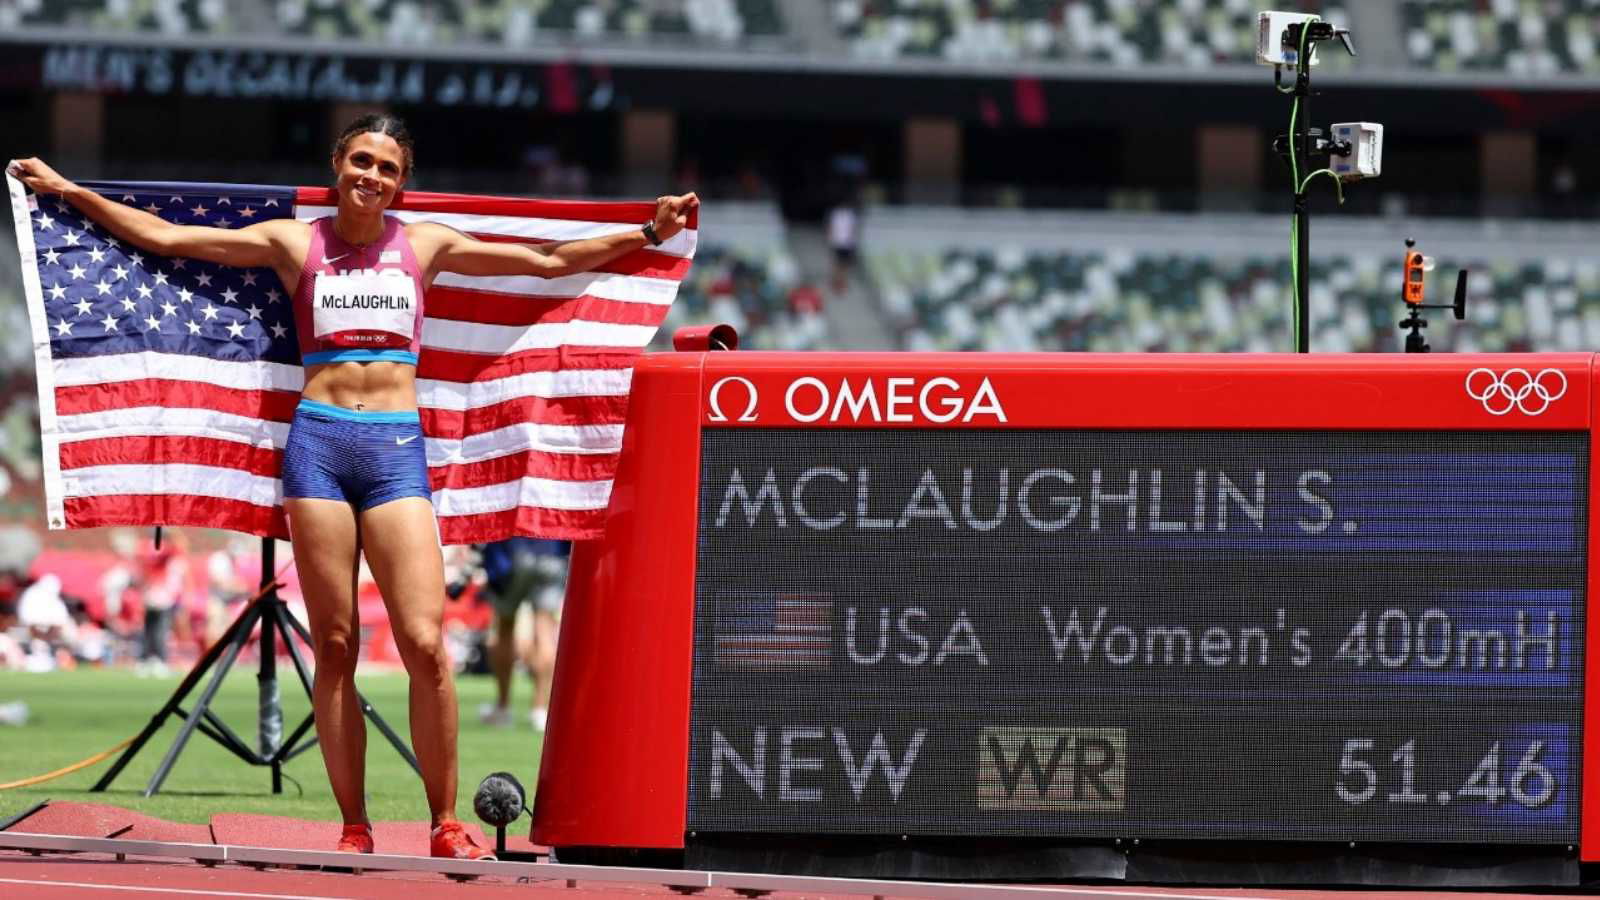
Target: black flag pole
x,y
272,614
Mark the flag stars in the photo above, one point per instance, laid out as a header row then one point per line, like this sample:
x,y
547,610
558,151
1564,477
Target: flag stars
x,y
58,293
129,305
160,277
76,272
63,327
113,243
199,210
71,237
235,329
144,291
209,311
83,306
151,323
222,223
249,278
51,256
180,263
96,254
137,260
270,203
152,209
45,222
120,272
168,309
193,326
129,198
278,330
109,323
185,295
246,213
254,311
273,296
103,289
229,295
203,280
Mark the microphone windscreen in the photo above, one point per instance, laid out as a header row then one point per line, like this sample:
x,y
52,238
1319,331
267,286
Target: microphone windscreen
x,y
500,799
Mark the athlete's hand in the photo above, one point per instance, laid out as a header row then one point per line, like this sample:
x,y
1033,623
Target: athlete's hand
x,y
672,214
40,178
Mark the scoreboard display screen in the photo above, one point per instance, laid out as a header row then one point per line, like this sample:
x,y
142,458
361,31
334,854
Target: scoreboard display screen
x,y
1370,635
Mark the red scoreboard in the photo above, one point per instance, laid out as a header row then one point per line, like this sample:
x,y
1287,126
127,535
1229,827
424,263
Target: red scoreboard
x,y
1085,599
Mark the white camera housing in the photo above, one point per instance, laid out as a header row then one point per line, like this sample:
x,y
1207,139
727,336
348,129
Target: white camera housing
x,y
1272,48
1365,159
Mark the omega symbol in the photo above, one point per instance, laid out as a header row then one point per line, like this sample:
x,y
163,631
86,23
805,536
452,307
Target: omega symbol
x,y
715,400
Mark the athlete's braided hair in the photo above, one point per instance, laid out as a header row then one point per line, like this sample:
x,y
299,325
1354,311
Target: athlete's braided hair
x,y
382,123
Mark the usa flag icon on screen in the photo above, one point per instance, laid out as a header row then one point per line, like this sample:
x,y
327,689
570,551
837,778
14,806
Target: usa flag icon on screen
x,y
769,631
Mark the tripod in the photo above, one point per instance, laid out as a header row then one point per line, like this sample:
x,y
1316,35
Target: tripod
x,y
273,615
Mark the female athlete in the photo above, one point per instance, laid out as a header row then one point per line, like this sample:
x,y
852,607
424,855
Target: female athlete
x,y
354,474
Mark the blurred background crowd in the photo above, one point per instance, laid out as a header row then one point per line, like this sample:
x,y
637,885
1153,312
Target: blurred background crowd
x,y
1002,175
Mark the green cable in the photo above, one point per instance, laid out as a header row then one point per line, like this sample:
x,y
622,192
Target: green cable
x,y
1338,183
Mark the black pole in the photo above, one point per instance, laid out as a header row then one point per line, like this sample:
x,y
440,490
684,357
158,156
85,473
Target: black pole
x,y
270,711
1302,212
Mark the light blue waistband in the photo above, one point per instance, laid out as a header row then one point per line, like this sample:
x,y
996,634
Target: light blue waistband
x,y
359,354
408,417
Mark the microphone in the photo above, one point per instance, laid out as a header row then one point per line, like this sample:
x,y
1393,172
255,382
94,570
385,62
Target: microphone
x,y
499,801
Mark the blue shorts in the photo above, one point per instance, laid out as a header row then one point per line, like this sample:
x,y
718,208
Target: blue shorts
x,y
362,458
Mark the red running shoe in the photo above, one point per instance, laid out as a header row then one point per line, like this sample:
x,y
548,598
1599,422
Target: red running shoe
x,y
451,841
356,839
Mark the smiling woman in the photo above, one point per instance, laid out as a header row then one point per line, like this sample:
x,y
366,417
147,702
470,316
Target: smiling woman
x,y
355,476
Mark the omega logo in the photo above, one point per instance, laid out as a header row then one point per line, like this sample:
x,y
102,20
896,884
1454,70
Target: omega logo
x,y
715,400
878,400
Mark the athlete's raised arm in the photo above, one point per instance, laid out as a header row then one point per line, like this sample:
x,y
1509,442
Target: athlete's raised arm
x,y
271,243
440,248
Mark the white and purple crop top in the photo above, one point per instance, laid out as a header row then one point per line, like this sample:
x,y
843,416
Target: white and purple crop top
x,y
359,304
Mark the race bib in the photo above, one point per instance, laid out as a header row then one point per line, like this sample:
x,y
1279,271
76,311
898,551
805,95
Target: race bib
x,y
365,309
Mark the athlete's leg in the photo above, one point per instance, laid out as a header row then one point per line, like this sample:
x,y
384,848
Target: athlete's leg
x,y
402,546
326,554
503,654
542,656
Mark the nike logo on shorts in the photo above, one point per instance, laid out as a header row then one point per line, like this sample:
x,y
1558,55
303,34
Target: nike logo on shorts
x,y
332,259
405,440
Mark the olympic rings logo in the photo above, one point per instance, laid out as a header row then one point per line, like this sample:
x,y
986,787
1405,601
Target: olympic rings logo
x,y
1516,389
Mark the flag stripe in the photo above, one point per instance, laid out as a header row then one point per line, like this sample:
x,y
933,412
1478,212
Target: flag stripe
x,y
150,364
176,509
541,410
604,285
561,524
463,305
277,406
158,449
444,334
146,420
646,262
465,365
541,464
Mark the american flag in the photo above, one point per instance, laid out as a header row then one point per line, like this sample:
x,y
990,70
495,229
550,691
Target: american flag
x,y
758,631
166,386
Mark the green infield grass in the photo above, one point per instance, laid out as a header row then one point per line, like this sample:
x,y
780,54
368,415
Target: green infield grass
x,y
73,715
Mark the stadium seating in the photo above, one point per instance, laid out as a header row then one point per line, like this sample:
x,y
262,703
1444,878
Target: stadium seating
x,y
1519,37
420,21
162,16
1012,300
1194,33
753,290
